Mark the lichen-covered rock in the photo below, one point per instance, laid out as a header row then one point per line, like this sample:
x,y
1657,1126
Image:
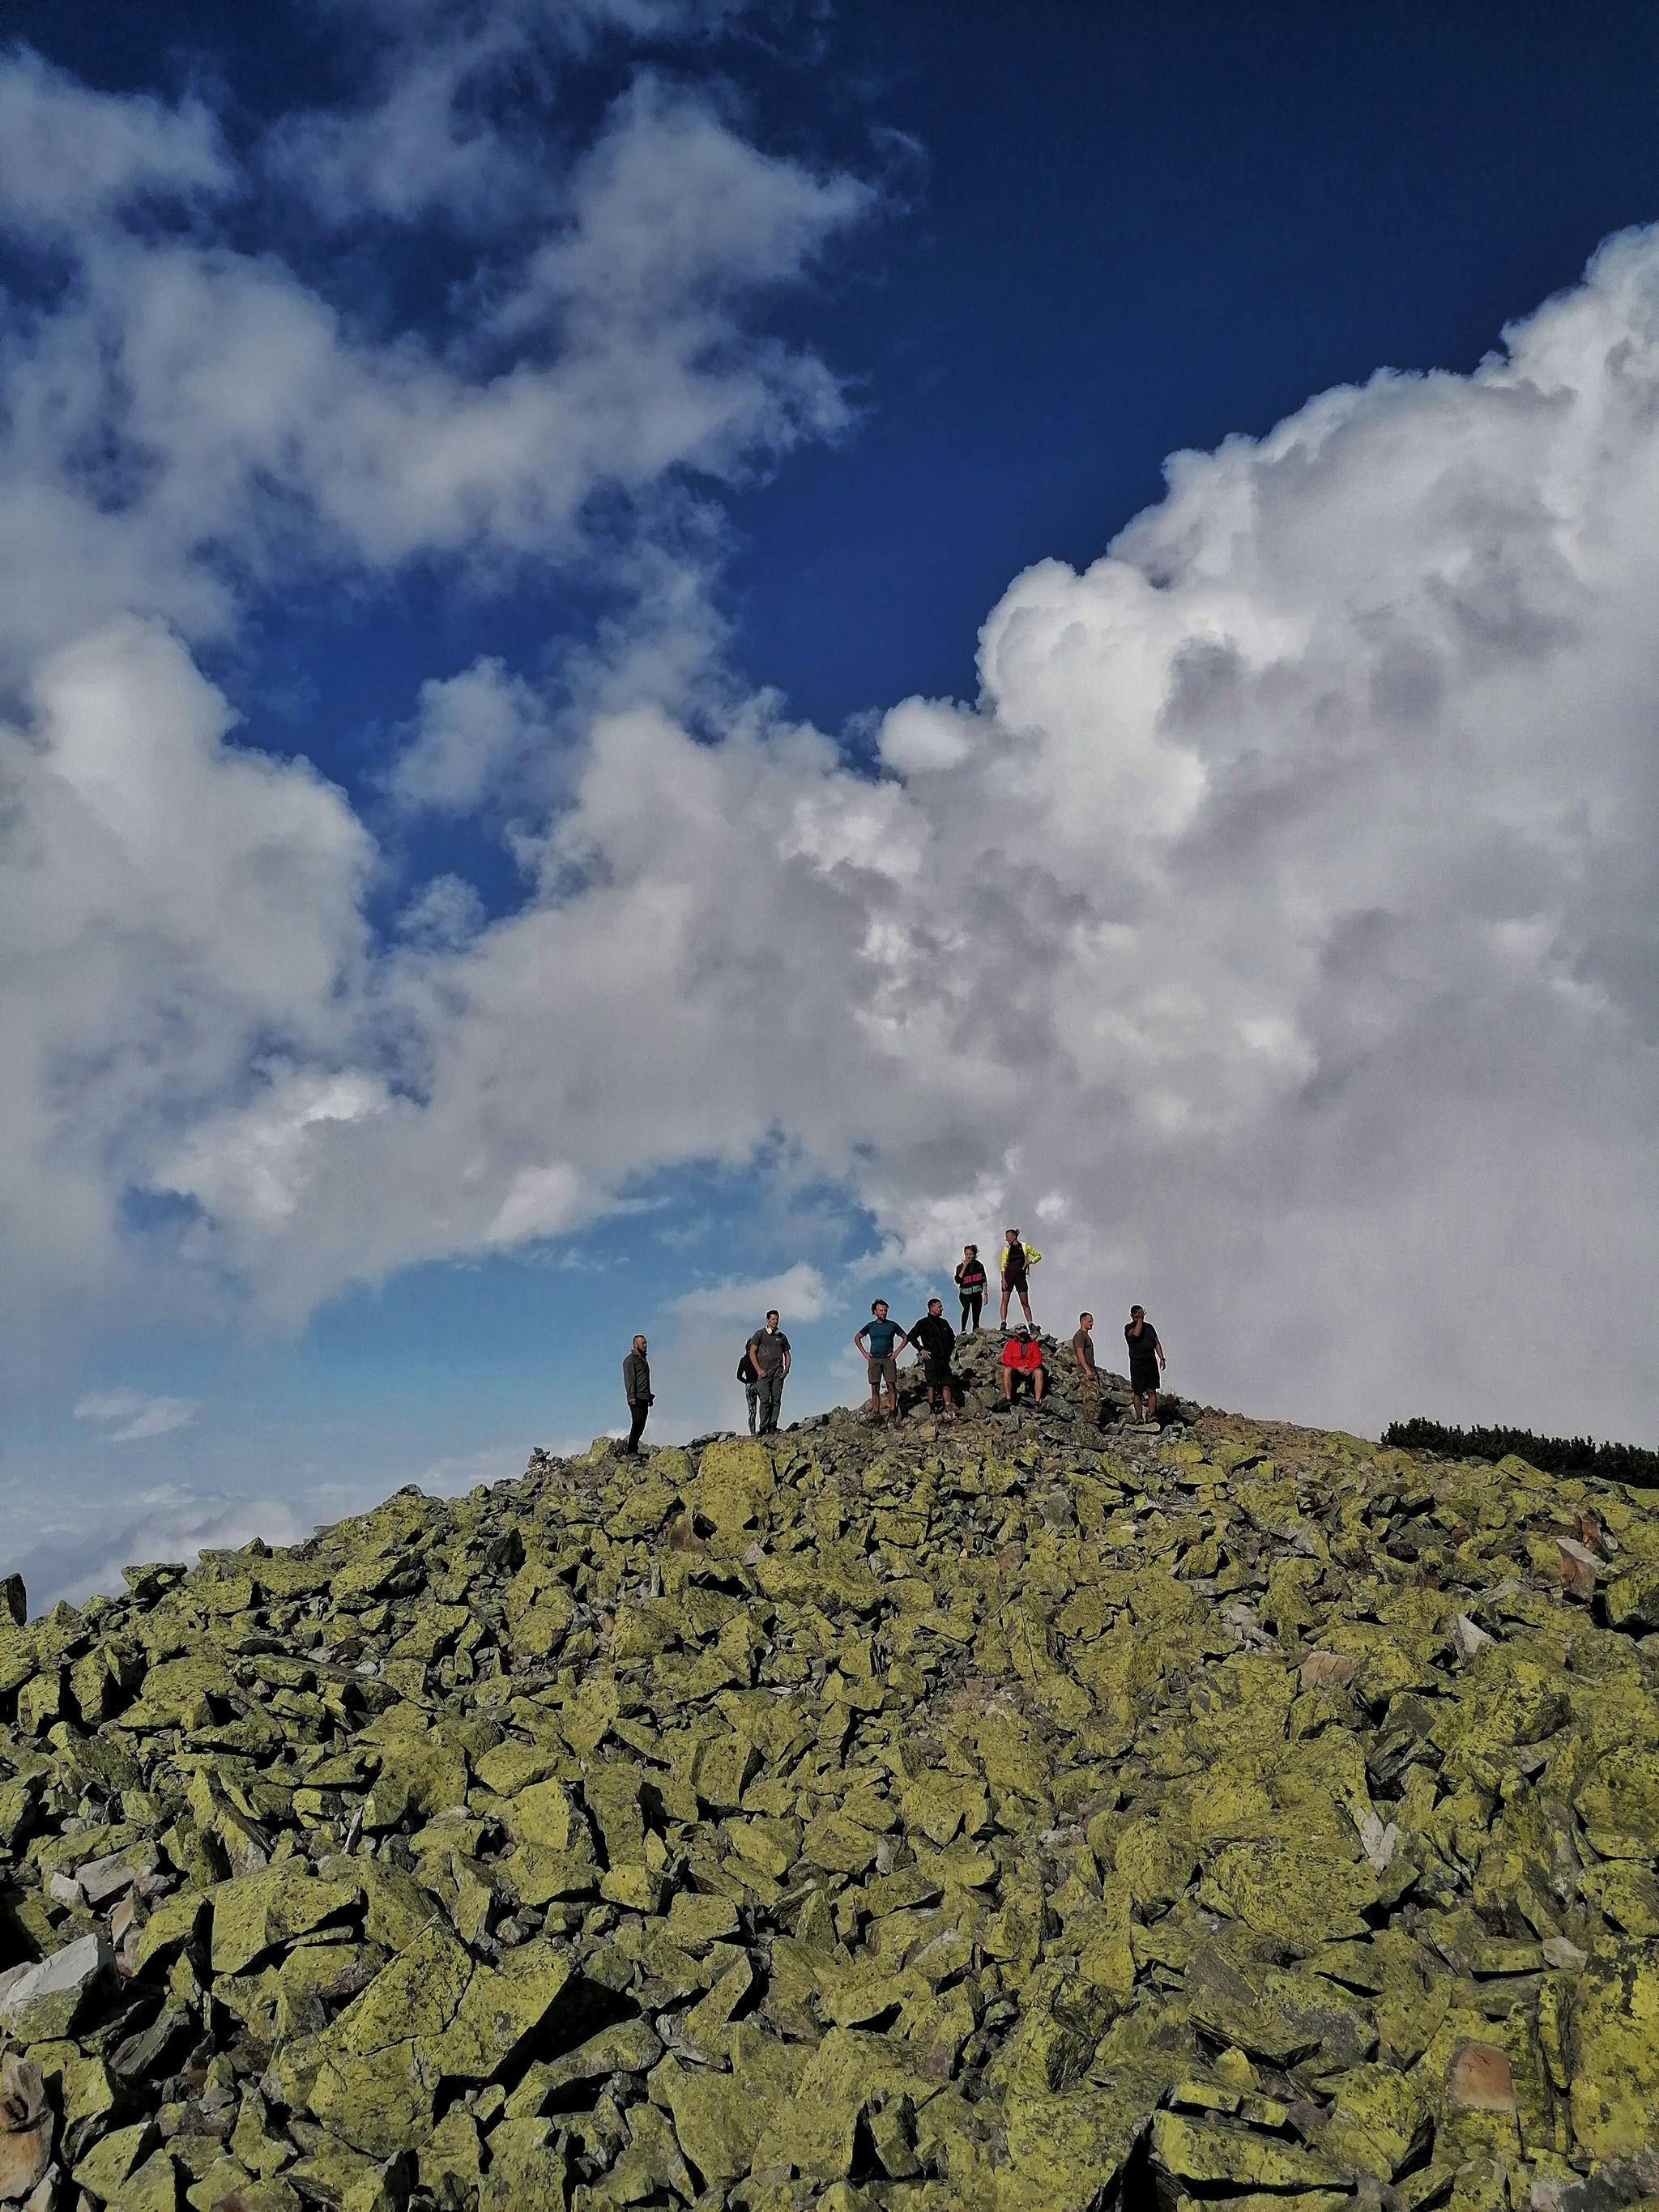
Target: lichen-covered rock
x,y
891,1820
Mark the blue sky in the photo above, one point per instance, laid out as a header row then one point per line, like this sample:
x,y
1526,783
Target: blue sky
x,y
503,501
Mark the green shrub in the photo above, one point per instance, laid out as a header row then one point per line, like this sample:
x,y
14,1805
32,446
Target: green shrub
x,y
1549,1455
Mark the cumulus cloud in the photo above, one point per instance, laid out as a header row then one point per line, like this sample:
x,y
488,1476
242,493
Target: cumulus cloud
x,y
798,1295
1276,927
171,909
1271,927
136,1416
475,736
187,423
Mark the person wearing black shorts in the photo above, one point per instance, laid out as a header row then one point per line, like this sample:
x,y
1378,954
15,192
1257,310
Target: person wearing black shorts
x,y
1146,1358
971,1280
1014,1279
935,1341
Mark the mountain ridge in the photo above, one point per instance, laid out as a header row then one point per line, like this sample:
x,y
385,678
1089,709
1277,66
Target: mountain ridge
x,y
926,1814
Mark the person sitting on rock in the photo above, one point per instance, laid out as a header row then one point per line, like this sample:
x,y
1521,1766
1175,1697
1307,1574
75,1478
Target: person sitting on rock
x,y
1015,1263
971,1282
1022,1364
936,1342
1145,1357
878,1343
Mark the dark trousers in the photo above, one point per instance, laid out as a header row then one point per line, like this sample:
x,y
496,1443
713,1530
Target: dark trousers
x,y
970,1310
640,1409
770,1392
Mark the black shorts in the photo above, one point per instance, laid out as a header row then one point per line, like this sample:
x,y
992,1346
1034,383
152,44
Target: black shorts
x,y
938,1372
1143,1376
1014,1286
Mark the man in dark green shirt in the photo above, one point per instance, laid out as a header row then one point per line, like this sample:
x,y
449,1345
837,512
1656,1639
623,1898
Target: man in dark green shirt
x,y
769,1354
1083,1348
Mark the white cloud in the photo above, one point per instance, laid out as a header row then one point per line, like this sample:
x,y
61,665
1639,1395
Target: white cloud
x,y
1285,909
170,908
68,155
453,1477
1285,903
187,418
87,1554
475,736
433,133
139,1417
799,1294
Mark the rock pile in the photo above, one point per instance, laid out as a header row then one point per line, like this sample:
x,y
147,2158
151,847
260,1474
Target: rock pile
x,y
989,1814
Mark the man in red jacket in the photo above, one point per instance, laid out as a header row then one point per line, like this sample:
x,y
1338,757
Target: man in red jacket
x,y
1021,1357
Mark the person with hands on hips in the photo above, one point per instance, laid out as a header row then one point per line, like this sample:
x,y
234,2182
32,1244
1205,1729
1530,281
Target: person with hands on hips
x,y
878,1344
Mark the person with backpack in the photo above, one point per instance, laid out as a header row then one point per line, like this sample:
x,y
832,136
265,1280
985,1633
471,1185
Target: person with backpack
x,y
936,1342
1146,1358
749,1375
767,1353
878,1344
1017,1260
637,1388
971,1282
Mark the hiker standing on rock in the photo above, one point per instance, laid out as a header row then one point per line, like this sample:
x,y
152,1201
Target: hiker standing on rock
x,y
1145,1357
1016,1261
971,1284
749,1375
1083,1344
880,1354
637,1388
768,1355
936,1342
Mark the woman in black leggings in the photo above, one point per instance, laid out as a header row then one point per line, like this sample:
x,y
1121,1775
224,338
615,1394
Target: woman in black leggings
x,y
970,1289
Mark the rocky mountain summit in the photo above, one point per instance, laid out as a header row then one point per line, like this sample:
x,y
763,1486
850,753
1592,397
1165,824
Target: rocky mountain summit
x,y
927,1816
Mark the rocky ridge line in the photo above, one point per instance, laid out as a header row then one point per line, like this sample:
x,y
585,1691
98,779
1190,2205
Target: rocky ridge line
x,y
986,1814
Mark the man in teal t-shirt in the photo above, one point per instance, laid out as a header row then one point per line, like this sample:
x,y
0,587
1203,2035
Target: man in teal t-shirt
x,y
880,1354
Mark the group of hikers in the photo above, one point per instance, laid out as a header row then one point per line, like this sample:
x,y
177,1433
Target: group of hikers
x,y
764,1367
